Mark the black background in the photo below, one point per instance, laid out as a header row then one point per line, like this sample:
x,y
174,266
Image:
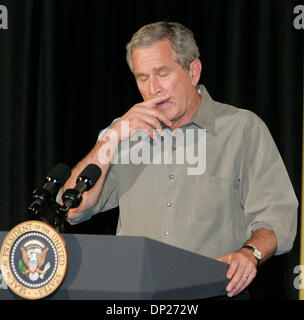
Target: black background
x,y
64,77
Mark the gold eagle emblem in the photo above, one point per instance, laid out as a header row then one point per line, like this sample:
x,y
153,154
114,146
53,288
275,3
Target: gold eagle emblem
x,y
33,258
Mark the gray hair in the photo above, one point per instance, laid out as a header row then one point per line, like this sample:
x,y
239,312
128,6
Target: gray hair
x,y
184,46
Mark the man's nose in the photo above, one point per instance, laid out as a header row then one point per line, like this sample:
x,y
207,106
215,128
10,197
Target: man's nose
x,y
154,87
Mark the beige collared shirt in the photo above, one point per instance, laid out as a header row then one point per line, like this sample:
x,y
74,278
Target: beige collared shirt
x,y
242,184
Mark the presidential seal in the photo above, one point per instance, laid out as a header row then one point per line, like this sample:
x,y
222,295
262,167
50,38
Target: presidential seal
x,y
33,259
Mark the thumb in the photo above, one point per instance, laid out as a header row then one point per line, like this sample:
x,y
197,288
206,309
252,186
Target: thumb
x,y
225,259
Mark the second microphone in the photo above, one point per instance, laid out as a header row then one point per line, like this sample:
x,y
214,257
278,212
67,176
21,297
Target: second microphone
x,y
86,180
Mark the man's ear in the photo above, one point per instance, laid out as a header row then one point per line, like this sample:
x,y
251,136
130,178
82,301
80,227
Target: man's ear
x,y
195,71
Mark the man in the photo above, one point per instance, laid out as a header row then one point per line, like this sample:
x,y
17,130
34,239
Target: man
x,y
239,207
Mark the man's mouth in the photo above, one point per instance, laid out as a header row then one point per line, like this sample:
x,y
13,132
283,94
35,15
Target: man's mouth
x,y
163,103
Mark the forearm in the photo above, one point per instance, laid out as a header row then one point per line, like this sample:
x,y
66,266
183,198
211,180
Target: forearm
x,y
101,155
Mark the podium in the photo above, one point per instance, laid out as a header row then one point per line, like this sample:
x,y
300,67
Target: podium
x,y
103,267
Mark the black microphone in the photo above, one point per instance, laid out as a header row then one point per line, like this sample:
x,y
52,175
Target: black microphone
x,y
72,198
48,190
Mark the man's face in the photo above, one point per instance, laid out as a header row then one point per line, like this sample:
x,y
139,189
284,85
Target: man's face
x,y
157,73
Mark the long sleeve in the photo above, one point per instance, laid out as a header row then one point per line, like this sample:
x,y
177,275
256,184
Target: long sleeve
x,y
267,194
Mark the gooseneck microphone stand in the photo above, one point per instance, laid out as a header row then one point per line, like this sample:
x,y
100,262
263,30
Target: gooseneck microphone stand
x,y
46,209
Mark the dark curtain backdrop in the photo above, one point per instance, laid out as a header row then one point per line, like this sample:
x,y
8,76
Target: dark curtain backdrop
x,y
63,77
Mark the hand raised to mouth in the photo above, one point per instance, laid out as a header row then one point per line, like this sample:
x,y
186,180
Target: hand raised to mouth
x,y
144,116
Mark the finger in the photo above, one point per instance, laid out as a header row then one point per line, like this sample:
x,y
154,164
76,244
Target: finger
x,y
153,113
246,274
224,259
243,283
146,125
153,102
238,286
236,278
148,120
250,275
231,270
149,124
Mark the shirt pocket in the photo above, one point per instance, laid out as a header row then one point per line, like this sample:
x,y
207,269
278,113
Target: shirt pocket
x,y
214,200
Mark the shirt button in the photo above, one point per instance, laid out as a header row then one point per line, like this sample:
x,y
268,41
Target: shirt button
x,y
174,143
169,204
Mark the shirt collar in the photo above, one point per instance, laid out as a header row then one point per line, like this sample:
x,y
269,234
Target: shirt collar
x,y
204,116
